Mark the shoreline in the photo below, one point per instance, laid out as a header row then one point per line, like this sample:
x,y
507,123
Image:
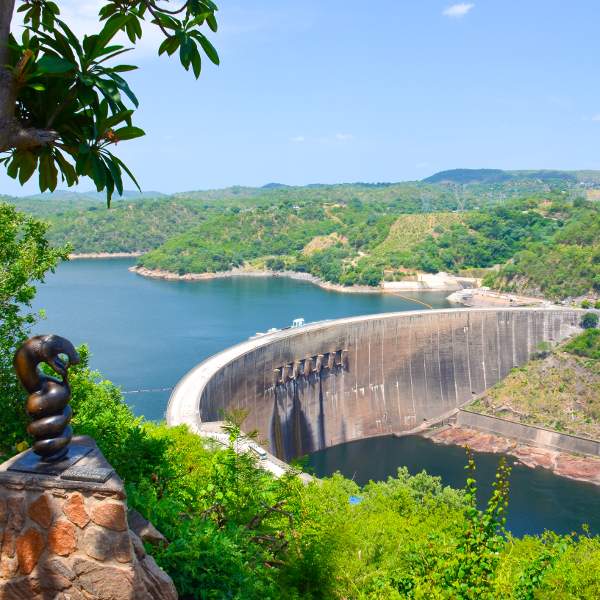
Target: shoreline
x,y
584,468
243,272
102,255
480,297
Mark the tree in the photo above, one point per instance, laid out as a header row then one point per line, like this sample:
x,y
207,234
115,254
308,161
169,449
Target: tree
x,y
64,103
589,320
25,258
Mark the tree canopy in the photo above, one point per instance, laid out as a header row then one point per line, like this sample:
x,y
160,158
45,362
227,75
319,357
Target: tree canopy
x,y
65,102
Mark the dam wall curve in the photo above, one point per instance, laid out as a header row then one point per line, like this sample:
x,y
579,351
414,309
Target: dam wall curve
x,y
332,382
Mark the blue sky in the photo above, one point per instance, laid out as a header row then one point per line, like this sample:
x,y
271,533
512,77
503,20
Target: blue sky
x,y
347,90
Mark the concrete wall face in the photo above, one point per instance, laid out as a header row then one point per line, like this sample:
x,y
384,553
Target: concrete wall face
x,y
529,434
399,370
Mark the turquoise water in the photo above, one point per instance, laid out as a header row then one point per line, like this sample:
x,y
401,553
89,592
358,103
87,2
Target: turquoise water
x,y
147,333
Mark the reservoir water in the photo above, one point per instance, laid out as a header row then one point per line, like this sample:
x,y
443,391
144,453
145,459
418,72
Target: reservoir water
x,y
145,334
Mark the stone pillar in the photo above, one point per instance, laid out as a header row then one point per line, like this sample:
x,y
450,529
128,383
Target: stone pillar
x,y
62,539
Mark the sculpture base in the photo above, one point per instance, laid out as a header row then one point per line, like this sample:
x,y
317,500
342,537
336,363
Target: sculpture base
x,y
32,463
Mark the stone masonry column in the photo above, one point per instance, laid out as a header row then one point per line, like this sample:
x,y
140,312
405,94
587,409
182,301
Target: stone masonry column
x,y
62,539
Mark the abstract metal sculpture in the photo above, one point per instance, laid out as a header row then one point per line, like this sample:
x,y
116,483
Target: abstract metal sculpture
x,y
48,400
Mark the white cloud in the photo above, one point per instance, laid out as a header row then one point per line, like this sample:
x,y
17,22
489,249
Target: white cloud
x,y
298,139
344,137
458,10
596,117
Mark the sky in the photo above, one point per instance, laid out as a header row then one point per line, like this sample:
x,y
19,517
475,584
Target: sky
x,y
329,91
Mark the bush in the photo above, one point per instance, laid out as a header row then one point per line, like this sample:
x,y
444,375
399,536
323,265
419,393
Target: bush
x,y
589,320
587,344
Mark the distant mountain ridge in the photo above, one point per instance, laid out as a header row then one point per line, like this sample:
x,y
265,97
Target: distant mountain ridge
x,y
491,176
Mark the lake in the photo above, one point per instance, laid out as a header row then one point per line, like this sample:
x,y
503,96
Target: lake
x,y
146,334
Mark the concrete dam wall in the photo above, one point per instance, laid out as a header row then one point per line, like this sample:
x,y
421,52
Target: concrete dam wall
x,y
332,382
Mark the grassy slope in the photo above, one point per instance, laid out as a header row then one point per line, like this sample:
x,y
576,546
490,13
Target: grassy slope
x,y
560,391
409,230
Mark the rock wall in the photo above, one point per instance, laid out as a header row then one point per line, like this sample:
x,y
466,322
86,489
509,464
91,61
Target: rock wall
x,y
348,379
65,540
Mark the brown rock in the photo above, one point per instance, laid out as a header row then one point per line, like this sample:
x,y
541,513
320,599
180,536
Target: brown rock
x,y
110,515
122,547
97,543
105,581
144,529
30,546
3,511
8,567
56,568
40,512
138,546
8,543
16,512
75,510
102,545
22,588
62,539
152,583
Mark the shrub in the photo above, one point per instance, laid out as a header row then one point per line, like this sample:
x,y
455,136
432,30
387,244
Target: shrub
x,y
589,320
587,344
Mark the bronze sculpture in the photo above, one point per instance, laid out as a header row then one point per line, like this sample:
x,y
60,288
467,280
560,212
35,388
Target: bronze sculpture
x,y
48,400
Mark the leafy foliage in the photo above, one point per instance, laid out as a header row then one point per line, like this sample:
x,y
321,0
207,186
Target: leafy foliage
x,y
25,257
74,91
588,343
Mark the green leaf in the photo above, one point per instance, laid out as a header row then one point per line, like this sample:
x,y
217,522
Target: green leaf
x,y
208,48
68,171
54,64
28,166
212,23
126,169
98,172
115,172
116,119
196,62
129,133
123,68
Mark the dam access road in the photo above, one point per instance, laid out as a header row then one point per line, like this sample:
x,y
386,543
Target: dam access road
x,y
332,382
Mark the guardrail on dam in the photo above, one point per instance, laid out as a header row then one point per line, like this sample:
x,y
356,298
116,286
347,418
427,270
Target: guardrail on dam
x,y
333,382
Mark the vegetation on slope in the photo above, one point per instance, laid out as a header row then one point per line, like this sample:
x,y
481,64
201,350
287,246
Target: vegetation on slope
x,y
372,241
559,391
74,217
562,265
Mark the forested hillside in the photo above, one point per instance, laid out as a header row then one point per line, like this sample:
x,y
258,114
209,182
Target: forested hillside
x,y
564,264
84,221
544,241
358,243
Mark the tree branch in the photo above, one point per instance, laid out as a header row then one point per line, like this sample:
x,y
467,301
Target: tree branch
x,y
12,133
